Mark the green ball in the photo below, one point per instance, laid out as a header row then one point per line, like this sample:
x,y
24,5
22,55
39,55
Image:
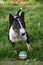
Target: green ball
x,y
23,55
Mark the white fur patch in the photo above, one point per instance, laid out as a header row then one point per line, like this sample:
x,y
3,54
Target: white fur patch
x,y
15,16
20,23
14,37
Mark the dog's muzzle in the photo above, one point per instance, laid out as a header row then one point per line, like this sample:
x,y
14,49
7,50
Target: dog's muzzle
x,y
22,32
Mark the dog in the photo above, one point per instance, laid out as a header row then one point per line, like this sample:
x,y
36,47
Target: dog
x,y
17,31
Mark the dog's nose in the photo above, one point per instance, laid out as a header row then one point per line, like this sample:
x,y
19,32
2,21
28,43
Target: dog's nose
x,y
23,34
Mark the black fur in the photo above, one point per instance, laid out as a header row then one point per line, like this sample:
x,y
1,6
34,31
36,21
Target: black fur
x,y
22,17
28,40
13,45
14,22
11,19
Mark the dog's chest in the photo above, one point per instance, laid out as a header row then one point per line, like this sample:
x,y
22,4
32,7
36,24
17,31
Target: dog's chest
x,y
14,37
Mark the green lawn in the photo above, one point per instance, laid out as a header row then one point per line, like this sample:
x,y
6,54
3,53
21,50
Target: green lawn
x,y
34,27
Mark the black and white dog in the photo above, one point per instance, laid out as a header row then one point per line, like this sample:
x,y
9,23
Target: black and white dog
x,y
17,30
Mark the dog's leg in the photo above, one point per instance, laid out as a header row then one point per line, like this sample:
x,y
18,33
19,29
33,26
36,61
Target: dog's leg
x,y
28,42
13,45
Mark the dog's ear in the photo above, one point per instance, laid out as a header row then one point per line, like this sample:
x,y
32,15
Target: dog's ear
x,y
11,18
22,16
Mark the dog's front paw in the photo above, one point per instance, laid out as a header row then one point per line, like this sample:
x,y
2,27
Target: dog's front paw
x,y
29,47
15,51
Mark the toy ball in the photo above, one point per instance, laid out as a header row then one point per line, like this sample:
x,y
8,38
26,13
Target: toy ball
x,y
23,55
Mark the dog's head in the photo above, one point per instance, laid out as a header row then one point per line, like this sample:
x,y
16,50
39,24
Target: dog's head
x,y
17,23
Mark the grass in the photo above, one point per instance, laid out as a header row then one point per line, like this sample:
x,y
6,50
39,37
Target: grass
x,y
34,27
10,62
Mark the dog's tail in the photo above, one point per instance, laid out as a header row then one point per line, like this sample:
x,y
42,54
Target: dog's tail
x,y
19,11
